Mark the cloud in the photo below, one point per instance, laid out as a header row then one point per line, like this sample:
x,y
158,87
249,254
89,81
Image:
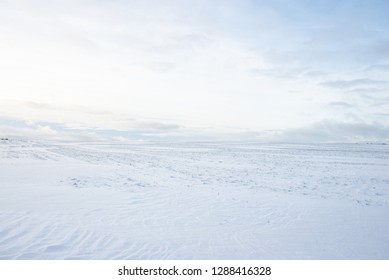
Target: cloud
x,y
287,72
362,86
368,90
347,84
44,132
378,68
340,104
379,71
332,131
158,126
79,117
385,115
12,127
280,72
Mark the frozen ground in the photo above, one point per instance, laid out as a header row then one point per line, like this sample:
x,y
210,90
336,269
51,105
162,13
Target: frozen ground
x,y
193,201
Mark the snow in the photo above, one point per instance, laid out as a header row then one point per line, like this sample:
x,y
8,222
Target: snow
x,y
193,201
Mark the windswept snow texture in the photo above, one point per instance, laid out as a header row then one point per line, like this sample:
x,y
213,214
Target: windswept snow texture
x,y
193,201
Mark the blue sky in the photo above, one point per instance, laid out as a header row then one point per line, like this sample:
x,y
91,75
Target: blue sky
x,y
239,70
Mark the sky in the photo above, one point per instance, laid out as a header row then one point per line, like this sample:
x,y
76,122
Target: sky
x,y
274,71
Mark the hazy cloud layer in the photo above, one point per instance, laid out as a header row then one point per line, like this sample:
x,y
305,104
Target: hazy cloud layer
x,y
329,131
346,84
194,69
13,128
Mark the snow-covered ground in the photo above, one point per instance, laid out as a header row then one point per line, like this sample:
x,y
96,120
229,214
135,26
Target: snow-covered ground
x,y
193,201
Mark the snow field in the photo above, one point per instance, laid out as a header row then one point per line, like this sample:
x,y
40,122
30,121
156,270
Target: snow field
x,y
193,201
